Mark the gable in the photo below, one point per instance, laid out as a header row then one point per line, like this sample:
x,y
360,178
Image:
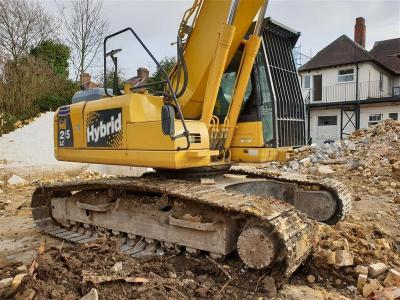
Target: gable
x,y
388,54
342,51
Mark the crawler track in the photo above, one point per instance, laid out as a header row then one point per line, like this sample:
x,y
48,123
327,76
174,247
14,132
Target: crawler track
x,y
289,229
340,192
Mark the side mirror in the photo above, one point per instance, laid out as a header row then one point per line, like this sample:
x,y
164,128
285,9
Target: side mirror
x,y
116,90
168,120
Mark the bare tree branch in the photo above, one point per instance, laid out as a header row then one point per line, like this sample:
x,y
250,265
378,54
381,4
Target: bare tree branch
x,y
23,25
84,31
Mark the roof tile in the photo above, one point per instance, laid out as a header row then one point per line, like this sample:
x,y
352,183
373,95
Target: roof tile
x,y
387,52
341,51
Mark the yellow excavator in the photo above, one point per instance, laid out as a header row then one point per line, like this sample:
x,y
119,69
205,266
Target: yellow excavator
x,y
210,114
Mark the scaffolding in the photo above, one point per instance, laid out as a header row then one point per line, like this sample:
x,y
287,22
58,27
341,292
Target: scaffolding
x,y
299,57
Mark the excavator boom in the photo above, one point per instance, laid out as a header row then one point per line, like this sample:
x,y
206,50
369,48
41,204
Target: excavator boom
x,y
202,44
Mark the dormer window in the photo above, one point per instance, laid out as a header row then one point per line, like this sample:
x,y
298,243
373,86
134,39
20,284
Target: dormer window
x,y
345,75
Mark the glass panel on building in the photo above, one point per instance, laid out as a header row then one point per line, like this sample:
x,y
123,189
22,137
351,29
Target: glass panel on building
x,y
346,75
327,120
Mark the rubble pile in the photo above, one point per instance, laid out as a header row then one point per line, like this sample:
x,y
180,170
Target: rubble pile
x,y
370,159
362,253
99,270
364,259
16,192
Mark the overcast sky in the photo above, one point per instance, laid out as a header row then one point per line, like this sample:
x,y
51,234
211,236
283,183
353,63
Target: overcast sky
x,y
319,21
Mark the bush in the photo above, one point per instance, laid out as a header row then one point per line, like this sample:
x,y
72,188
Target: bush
x,y
7,122
62,96
51,102
22,84
31,86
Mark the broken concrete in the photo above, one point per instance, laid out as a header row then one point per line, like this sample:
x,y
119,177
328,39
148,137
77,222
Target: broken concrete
x,y
377,269
92,295
15,180
305,162
292,292
370,287
361,281
392,278
344,258
361,269
117,267
325,170
391,293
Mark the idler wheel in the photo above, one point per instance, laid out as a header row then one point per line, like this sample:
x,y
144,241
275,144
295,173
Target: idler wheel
x,y
256,247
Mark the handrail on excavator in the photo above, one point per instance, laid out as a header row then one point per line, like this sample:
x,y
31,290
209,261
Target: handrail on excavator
x,y
172,92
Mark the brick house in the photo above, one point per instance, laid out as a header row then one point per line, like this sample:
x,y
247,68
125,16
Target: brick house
x,y
347,87
87,82
141,78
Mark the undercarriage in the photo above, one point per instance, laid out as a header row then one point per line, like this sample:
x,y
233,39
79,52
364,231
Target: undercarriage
x,y
252,212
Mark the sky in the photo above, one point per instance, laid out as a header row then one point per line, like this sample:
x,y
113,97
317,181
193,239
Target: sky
x,y
319,21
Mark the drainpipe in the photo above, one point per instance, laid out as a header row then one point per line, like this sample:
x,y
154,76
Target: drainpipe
x,y
309,119
357,97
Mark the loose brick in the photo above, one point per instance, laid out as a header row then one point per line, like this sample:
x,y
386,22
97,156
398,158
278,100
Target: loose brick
x,y
392,279
377,269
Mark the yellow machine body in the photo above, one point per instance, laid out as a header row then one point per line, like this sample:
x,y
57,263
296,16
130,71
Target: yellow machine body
x,y
127,129
138,141
141,142
202,47
248,145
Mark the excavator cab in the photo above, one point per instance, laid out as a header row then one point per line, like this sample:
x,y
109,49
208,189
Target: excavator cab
x,y
270,122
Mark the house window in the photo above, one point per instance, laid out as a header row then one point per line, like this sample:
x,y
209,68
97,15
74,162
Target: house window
x,y
374,119
346,75
381,81
306,83
327,120
394,116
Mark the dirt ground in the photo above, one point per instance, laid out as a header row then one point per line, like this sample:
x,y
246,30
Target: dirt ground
x,y
368,164
62,270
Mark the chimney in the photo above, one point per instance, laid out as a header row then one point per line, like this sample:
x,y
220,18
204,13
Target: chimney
x,y
360,31
85,77
143,73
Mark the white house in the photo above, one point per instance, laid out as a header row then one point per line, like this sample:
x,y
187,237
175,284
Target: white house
x,y
347,87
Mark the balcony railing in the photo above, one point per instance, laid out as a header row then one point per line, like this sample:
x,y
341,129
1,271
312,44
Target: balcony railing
x,y
343,92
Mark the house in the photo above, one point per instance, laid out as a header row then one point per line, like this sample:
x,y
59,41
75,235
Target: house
x,y
87,82
347,87
141,77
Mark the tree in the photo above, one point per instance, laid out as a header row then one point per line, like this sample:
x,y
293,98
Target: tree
x,y
167,63
54,53
84,32
23,25
110,77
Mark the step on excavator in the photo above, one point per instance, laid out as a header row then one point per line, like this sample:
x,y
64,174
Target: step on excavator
x,y
213,111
